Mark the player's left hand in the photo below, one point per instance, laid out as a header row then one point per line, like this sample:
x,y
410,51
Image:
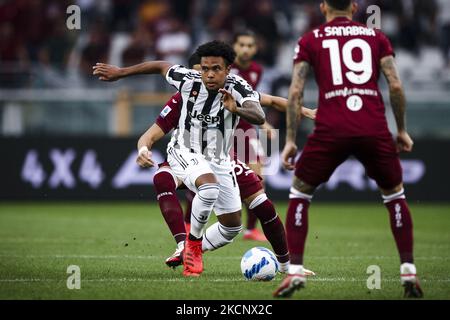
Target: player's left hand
x,y
288,155
404,142
270,130
106,72
144,158
228,101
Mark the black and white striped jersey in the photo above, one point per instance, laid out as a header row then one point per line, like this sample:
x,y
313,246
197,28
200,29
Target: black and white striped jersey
x,y
205,126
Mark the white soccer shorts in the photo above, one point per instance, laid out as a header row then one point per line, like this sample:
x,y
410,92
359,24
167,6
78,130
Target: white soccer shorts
x,y
189,166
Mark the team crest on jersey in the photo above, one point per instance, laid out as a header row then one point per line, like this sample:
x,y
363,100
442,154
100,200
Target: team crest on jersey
x,y
165,111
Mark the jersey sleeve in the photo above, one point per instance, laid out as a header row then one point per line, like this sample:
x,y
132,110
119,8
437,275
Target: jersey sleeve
x,y
170,114
242,91
302,51
385,46
177,74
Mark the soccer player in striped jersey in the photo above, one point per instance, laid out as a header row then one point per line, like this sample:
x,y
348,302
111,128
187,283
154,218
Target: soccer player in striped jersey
x,y
251,188
249,148
198,153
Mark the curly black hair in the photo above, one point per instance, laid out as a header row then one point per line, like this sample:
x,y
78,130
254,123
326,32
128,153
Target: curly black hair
x,y
193,60
217,49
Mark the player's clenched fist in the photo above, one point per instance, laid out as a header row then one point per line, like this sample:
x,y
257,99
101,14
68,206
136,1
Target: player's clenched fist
x,y
144,158
288,155
106,72
404,142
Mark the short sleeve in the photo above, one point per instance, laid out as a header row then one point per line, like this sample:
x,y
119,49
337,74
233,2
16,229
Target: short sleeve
x,y
302,51
242,91
176,74
170,114
385,46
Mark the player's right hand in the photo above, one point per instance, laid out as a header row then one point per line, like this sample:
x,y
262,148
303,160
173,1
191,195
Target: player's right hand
x,y
288,155
144,158
404,142
106,72
308,113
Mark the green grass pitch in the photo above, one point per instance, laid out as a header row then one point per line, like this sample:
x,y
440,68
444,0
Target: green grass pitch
x,y
121,247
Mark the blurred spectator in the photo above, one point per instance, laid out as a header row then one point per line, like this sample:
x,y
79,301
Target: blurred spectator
x,y
140,46
122,15
174,43
96,50
33,32
182,9
443,19
57,46
261,19
220,23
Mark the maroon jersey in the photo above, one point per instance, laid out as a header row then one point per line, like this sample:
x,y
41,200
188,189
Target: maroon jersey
x,y
345,56
170,114
252,75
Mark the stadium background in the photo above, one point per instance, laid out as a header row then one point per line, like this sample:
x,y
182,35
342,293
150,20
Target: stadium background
x,y
47,89
67,136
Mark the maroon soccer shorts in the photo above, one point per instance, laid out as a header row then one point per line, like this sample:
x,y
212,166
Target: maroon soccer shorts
x,y
248,181
247,146
322,155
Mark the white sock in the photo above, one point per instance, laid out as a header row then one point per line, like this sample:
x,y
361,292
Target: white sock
x,y
202,205
284,266
407,272
217,235
296,269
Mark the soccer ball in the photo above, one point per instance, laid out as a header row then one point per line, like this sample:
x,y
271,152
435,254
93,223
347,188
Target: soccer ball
x,y
259,264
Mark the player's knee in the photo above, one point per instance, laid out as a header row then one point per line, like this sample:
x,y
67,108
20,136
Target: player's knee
x,y
391,191
229,233
396,193
248,201
259,199
164,180
303,187
297,194
208,192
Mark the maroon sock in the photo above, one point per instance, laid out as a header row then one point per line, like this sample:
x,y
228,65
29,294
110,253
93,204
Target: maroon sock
x,y
251,219
273,229
169,204
402,227
297,228
187,213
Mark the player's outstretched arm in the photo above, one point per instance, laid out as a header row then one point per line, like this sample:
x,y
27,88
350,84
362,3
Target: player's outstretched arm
x,y
250,110
280,104
108,72
295,101
398,102
145,143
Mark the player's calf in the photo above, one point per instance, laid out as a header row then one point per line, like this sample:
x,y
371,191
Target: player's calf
x,y
219,235
202,206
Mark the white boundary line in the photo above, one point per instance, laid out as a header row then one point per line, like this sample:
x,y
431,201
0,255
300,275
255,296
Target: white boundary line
x,y
310,279
212,257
